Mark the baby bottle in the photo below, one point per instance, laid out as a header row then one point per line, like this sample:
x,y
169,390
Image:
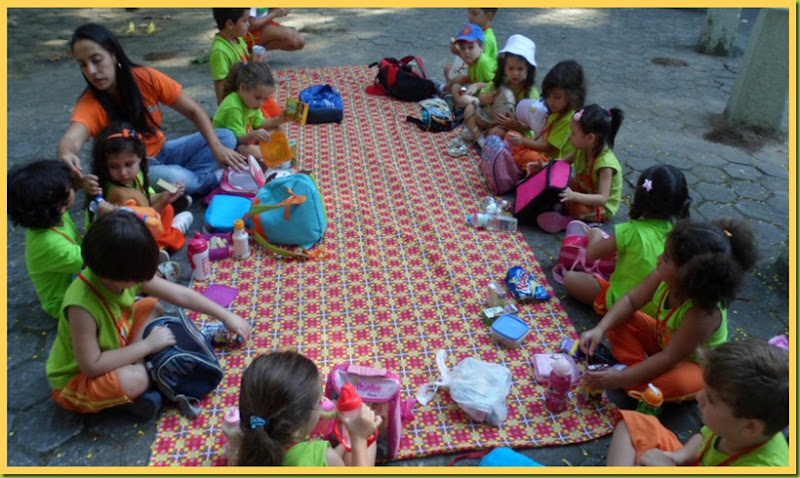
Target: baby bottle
x,y
231,430
241,240
324,427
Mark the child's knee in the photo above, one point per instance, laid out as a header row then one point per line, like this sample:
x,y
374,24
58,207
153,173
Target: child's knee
x,y
134,379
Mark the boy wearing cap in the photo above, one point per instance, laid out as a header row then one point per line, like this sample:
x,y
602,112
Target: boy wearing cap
x,y
481,67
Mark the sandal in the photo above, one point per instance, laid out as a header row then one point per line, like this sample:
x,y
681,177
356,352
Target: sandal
x,y
170,270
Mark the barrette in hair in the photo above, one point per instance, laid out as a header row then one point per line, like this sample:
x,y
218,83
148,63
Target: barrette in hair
x,y
647,185
127,134
256,421
577,115
727,233
609,114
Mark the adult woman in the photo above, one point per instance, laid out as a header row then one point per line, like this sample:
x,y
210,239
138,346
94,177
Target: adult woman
x,y
118,89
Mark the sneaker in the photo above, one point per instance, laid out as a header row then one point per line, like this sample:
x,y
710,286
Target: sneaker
x,y
170,270
145,407
181,204
183,221
553,221
163,256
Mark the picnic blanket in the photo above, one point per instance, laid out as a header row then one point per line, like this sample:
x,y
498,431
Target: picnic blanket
x,y
405,277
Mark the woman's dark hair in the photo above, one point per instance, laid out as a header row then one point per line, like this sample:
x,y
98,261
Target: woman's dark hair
x,y
712,259
500,74
661,193
118,246
603,123
125,139
567,75
249,75
37,192
132,107
282,388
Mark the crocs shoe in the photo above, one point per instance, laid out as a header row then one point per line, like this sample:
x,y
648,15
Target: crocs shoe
x,y
171,270
552,221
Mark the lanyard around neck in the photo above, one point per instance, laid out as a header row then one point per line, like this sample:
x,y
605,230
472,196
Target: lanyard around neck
x,y
728,460
124,325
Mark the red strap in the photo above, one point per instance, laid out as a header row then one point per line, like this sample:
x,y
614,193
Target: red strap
x,y
123,326
728,460
408,59
474,454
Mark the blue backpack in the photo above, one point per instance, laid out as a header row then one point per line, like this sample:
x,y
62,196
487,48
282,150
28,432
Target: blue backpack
x,y
187,371
288,211
324,104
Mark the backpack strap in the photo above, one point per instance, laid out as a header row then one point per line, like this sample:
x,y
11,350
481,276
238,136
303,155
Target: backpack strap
x,y
417,122
408,59
188,406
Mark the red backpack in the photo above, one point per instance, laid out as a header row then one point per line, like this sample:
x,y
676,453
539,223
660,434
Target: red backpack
x,y
398,79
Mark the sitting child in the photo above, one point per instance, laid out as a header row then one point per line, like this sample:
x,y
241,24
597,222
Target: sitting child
x,y
97,359
120,166
278,409
514,80
483,17
534,143
697,278
595,191
744,407
661,198
39,197
480,67
247,87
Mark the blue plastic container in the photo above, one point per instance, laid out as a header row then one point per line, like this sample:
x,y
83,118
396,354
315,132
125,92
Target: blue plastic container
x,y
509,330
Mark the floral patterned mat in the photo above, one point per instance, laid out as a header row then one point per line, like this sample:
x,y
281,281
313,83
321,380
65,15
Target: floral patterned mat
x,y
405,277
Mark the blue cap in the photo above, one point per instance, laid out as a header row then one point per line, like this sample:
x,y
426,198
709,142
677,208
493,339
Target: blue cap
x,y
471,33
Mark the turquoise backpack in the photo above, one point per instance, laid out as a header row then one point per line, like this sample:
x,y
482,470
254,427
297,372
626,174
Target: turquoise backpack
x,y
289,211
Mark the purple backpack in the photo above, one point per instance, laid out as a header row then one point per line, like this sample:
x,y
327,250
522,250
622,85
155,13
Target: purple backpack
x,y
380,389
497,166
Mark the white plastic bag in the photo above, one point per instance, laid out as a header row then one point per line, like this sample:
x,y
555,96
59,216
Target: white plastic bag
x,y
479,388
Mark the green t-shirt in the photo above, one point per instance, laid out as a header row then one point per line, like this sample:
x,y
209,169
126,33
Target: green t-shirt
x,y
53,257
236,116
482,71
62,365
590,180
224,54
490,42
775,452
307,453
558,130
138,184
639,243
673,318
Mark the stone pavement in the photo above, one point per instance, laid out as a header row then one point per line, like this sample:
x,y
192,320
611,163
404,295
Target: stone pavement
x,y
642,60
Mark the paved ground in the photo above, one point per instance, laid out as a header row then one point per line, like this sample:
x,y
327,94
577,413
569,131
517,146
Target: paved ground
x,y
668,110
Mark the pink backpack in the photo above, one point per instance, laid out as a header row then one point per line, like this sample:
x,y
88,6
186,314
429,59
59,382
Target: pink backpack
x,y
539,193
498,167
381,390
572,255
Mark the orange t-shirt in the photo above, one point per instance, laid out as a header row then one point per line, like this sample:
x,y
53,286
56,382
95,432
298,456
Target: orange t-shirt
x,y
156,87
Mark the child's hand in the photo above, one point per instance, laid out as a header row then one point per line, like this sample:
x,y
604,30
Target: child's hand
x,y
594,233
589,340
260,135
91,184
160,338
172,197
513,140
567,195
237,325
365,424
608,379
656,457
471,90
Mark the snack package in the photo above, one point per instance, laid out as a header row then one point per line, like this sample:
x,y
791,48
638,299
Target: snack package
x,y
523,286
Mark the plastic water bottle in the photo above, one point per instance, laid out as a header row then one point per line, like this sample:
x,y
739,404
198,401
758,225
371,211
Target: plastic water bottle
x,y
492,222
198,257
241,240
493,205
231,430
259,53
558,385
349,406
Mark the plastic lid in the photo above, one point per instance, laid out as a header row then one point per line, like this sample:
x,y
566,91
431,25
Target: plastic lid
x,y
653,396
510,326
349,399
238,224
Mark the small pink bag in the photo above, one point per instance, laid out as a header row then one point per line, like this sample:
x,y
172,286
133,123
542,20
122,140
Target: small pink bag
x,y
380,389
572,255
539,193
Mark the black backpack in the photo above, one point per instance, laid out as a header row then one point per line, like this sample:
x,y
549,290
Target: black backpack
x,y
401,81
187,371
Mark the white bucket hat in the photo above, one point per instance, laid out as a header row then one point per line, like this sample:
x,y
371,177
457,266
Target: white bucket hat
x,y
522,46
